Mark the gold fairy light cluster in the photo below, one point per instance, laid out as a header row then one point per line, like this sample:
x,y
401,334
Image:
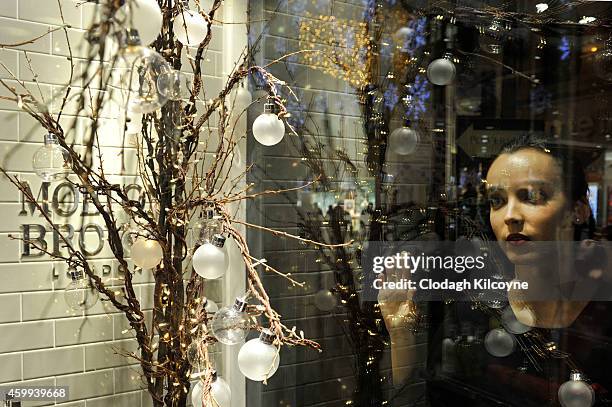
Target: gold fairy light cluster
x,y
344,47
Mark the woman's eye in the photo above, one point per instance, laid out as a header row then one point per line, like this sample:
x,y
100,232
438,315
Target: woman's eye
x,y
496,201
536,196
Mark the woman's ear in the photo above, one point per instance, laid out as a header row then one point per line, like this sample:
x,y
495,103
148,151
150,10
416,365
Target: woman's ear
x,y
582,212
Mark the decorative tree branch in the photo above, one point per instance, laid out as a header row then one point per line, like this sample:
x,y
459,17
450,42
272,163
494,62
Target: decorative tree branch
x,y
178,182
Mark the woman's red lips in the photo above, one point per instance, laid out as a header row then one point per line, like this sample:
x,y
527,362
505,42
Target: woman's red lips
x,y
517,239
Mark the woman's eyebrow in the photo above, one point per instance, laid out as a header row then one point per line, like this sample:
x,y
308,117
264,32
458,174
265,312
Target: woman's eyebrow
x,y
534,183
537,182
495,188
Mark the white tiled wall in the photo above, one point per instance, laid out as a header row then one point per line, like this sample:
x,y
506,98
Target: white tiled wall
x,y
41,341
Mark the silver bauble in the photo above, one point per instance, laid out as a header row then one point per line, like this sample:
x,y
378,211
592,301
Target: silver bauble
x,y
499,343
403,140
576,393
513,325
441,71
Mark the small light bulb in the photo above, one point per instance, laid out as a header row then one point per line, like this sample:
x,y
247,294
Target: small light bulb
x,y
541,7
52,162
146,253
210,260
189,26
268,129
231,325
80,294
586,20
258,359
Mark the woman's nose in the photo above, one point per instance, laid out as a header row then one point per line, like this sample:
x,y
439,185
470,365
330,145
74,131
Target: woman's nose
x,y
514,215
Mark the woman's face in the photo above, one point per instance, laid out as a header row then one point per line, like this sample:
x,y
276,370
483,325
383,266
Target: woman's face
x,y
527,200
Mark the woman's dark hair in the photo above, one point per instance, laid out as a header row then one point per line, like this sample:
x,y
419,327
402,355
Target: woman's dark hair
x,y
574,178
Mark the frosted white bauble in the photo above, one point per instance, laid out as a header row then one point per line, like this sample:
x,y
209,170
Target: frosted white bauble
x,y
402,38
268,129
403,140
499,343
242,97
210,261
576,393
221,393
145,16
513,325
441,71
146,253
219,390
189,28
196,394
258,360
210,306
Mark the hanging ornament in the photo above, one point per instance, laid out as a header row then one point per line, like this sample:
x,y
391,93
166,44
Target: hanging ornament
x,y
325,300
174,85
441,71
603,61
80,295
491,36
128,238
144,16
189,26
268,129
403,38
136,74
231,325
52,162
576,392
194,354
220,393
206,227
403,140
513,325
499,343
210,260
258,359
241,98
146,253
210,306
